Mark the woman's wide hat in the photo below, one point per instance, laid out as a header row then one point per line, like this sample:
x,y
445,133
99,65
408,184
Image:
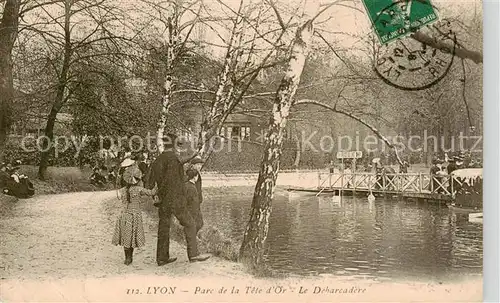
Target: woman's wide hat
x,y
127,162
132,175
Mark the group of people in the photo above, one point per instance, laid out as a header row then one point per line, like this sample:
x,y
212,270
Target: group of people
x,y
179,194
103,174
13,182
438,170
11,170
100,176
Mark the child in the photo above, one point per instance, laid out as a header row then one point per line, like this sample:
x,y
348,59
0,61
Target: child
x,y
193,198
129,230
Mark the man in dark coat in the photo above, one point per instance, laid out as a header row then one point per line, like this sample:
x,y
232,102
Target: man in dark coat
x,y
193,197
433,175
452,166
167,173
197,164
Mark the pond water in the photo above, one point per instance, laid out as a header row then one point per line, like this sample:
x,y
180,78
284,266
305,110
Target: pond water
x,y
385,240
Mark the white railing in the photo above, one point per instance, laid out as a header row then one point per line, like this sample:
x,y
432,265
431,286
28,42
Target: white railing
x,y
398,183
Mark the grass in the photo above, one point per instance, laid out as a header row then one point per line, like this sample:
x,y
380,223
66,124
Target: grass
x,y
210,240
213,241
61,180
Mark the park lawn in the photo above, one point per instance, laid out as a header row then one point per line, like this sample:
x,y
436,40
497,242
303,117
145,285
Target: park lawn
x,y
61,180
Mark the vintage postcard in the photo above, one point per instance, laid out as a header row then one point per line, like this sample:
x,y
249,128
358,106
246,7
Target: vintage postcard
x,y
241,150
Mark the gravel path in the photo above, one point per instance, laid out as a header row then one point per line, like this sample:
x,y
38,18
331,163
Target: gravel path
x,y
69,236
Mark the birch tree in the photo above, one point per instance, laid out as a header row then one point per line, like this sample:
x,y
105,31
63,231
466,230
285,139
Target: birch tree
x,y
177,33
252,248
225,85
253,28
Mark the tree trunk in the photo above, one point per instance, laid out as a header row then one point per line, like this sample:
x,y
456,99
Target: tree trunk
x,y
167,85
252,248
224,95
165,104
48,143
8,34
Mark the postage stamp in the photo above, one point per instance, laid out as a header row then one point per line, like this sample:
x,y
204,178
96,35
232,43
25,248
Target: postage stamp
x,y
393,20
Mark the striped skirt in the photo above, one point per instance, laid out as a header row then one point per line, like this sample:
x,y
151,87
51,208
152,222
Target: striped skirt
x,y
129,230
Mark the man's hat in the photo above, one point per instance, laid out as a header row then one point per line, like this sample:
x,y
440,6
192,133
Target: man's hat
x,y
191,173
170,140
137,156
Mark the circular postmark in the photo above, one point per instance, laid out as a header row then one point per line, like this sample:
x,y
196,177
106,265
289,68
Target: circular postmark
x,y
411,65
407,63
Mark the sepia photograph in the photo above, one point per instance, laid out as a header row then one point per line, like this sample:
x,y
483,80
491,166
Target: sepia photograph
x,y
241,150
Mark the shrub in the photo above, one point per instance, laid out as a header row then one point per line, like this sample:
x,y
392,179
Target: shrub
x,y
210,240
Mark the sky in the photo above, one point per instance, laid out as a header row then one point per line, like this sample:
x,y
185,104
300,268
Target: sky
x,y
347,25
343,25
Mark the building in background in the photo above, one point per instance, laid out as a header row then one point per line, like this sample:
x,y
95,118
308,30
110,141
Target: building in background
x,y
33,125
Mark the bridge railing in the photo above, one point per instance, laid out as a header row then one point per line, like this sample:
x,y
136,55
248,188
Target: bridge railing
x,y
391,183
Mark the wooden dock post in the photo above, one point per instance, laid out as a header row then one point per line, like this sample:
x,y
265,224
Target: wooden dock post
x,y
319,180
421,181
341,184
354,183
451,187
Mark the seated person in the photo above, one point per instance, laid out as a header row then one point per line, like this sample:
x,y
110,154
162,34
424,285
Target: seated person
x,y
97,178
112,175
403,168
15,171
4,175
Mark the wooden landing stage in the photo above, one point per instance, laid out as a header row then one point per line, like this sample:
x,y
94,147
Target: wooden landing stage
x,y
434,197
435,188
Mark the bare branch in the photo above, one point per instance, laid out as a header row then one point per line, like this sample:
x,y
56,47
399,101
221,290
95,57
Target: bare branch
x,y
278,15
351,115
476,57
